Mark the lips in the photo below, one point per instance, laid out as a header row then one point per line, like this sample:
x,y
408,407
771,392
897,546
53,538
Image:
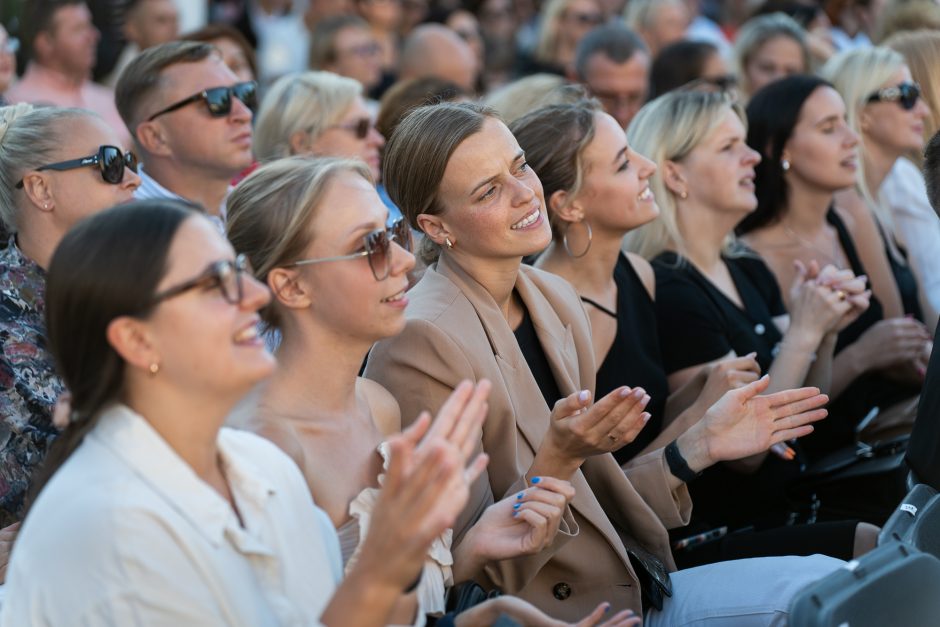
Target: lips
x,y
394,298
529,219
248,335
646,195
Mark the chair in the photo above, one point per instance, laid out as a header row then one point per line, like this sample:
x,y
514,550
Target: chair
x,y
893,585
916,521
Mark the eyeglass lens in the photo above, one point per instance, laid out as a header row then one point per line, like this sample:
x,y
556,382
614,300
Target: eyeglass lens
x,y
378,245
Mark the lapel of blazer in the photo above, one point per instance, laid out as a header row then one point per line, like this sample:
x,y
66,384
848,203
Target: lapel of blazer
x,y
557,342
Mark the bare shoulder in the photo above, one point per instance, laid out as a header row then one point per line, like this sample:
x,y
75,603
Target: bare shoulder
x,y
643,270
281,433
385,411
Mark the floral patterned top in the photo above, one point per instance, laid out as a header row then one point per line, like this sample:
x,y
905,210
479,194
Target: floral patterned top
x,y
29,386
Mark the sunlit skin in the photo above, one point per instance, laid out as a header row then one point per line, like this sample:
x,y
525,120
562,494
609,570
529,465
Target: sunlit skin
x,y
341,140
621,88
776,58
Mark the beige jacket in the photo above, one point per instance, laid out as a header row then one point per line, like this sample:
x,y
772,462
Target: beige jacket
x,y
455,331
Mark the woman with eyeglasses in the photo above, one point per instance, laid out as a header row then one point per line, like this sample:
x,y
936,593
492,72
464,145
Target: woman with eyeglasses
x,y
315,231
479,313
149,511
885,108
564,23
56,167
809,154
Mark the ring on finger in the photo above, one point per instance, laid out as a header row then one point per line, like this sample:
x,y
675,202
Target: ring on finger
x,y
613,438
841,294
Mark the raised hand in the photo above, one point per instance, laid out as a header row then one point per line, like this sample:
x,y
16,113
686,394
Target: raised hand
x,y
743,423
459,421
727,374
816,308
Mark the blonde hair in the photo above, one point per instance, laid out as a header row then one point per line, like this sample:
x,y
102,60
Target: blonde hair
x,y
668,129
758,31
269,212
921,50
638,14
29,136
901,16
546,49
304,102
856,74
521,96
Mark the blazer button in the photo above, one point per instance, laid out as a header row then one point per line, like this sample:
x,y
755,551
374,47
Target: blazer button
x,y
561,591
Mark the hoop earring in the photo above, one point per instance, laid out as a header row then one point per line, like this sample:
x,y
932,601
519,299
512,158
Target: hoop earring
x,y
154,369
784,165
449,243
590,236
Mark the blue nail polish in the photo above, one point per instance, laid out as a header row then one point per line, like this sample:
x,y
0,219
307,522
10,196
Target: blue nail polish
x,y
536,479
607,609
517,506
515,513
519,496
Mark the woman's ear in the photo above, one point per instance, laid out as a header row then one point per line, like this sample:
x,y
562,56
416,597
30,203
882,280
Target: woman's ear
x,y
673,179
130,338
37,189
559,205
299,142
288,289
435,228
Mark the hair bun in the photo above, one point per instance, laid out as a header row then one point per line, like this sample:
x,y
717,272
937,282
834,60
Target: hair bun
x,y
10,114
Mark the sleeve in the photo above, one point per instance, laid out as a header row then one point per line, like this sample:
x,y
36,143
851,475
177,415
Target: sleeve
x,y
691,331
649,475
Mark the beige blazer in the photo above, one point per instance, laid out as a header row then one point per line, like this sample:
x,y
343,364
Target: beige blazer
x,y
455,331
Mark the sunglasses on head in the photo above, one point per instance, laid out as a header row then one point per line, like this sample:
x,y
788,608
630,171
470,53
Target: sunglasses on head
x,y
377,248
109,159
225,275
218,100
906,95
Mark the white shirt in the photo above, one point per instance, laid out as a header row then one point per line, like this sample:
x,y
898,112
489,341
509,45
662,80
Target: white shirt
x,y
150,189
918,230
126,534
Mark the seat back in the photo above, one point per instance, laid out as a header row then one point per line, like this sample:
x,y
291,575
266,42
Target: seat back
x,y
893,585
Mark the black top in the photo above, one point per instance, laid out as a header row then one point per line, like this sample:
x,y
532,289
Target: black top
x,y
634,358
698,323
535,357
923,452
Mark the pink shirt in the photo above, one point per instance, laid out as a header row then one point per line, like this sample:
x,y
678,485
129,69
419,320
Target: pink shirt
x,y
43,86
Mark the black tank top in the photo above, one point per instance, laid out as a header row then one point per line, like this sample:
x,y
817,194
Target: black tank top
x,y
634,358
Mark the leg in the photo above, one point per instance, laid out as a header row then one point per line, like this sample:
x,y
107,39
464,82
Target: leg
x,y
741,593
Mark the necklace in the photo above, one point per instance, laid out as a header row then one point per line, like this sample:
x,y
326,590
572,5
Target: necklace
x,y
832,255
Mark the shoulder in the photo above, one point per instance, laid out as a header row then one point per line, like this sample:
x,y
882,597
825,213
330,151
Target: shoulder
x,y
385,411
644,270
275,431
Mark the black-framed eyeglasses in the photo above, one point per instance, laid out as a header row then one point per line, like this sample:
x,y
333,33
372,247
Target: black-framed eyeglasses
x,y
360,128
218,99
109,160
905,94
225,275
377,247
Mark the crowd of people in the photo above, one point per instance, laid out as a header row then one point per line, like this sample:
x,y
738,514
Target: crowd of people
x,y
423,312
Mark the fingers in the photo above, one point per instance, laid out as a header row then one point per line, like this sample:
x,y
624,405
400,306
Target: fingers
x,y
549,490
626,618
803,418
451,410
476,468
801,405
791,434
466,432
571,404
751,390
541,528
418,428
786,397
608,413
595,617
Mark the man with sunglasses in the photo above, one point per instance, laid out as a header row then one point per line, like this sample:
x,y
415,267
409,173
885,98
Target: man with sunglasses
x,y
62,44
191,118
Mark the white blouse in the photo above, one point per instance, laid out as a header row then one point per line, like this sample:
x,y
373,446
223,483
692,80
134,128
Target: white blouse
x,y
126,534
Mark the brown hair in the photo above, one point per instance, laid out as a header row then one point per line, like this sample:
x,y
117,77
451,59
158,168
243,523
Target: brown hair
x,y
141,79
323,38
269,212
554,139
417,155
211,32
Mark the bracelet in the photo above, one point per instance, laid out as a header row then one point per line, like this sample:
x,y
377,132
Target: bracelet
x,y
414,584
677,464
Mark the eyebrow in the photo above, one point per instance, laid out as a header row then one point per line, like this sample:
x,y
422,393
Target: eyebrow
x,y
620,153
829,118
519,155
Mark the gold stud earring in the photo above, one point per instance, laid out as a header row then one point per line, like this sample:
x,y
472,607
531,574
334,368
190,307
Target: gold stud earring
x,y
154,369
449,243
683,194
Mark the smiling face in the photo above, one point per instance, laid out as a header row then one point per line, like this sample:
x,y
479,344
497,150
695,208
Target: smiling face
x,y
349,210
823,149
719,172
493,202
890,127
201,341
615,192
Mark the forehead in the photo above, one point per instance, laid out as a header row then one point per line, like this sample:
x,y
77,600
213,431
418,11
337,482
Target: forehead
x,y
822,103
900,75
480,155
197,244
632,74
86,134
348,201
608,140
780,47
185,79
728,125
351,35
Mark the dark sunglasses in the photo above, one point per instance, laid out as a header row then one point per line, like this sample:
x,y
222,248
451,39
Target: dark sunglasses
x,y
585,19
377,248
218,99
225,275
906,95
360,128
109,159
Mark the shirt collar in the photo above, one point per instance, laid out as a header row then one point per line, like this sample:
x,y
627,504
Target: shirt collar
x,y
132,439
151,188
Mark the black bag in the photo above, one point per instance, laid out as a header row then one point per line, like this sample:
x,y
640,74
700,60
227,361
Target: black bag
x,y
893,585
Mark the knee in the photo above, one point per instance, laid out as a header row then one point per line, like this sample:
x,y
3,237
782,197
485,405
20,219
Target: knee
x,y
866,539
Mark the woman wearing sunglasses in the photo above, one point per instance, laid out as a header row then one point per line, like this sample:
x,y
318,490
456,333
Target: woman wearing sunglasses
x,y
315,408
885,108
809,154
478,312
56,167
150,512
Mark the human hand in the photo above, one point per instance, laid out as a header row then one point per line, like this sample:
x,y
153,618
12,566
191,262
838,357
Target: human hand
x,y
459,421
892,342
579,430
527,614
743,423
854,288
7,538
815,306
727,374
524,523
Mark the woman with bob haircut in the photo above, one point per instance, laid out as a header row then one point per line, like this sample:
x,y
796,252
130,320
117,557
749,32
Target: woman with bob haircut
x,y
297,220
152,512
460,176
768,48
598,188
801,122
